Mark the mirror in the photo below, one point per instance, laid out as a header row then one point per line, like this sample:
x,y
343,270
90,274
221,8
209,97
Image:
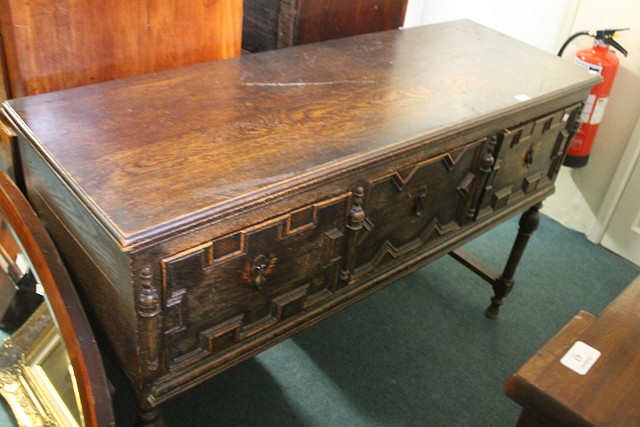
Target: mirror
x,y
36,376
51,372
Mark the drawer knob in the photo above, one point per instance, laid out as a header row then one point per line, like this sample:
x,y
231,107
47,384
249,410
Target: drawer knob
x,y
528,158
261,267
419,204
488,160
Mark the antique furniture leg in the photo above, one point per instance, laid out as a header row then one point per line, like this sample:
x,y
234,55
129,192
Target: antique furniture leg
x,y
149,416
502,284
501,287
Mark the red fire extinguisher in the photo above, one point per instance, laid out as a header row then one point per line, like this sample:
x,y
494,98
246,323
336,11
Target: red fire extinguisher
x,y
601,59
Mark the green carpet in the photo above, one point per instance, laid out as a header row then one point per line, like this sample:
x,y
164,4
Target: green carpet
x,y
420,352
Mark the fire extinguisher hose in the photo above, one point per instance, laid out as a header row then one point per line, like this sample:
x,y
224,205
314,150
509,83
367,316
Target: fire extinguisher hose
x,y
570,39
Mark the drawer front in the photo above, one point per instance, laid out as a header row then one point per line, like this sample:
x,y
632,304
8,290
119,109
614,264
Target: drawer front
x,y
528,157
416,205
220,293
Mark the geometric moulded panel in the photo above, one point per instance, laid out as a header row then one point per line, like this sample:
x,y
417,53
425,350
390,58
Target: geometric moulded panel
x,y
226,290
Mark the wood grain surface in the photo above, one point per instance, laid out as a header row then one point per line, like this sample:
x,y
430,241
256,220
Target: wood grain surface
x,y
52,45
271,24
217,133
331,19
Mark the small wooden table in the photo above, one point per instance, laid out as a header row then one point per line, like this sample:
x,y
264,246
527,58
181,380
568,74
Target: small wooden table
x,y
553,394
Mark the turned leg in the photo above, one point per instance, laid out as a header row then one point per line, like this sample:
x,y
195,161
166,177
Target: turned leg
x,y
149,416
503,285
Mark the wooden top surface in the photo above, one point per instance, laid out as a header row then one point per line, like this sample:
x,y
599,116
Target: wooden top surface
x,y
154,152
607,395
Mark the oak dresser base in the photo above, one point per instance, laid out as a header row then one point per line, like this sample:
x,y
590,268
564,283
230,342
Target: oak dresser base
x,y
209,212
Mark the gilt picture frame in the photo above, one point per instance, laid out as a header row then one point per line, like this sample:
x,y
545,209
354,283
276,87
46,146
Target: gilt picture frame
x,y
36,377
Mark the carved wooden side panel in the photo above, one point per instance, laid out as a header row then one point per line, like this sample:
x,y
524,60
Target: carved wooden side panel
x,y
232,287
413,207
528,158
148,309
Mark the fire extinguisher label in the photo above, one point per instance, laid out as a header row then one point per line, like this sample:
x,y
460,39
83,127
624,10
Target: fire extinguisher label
x,y
588,66
598,111
587,109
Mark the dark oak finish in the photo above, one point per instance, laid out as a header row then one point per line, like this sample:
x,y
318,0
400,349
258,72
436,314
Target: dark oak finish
x,y
274,24
48,45
503,283
607,394
52,45
209,212
70,317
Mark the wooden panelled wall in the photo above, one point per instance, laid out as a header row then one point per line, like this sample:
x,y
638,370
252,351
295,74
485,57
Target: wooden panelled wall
x,y
58,44
274,24
49,45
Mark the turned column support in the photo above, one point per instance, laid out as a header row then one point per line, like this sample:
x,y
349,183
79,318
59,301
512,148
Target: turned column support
x,y
354,225
149,416
504,284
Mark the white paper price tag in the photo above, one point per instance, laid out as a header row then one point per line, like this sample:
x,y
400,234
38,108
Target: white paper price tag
x,y
580,357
